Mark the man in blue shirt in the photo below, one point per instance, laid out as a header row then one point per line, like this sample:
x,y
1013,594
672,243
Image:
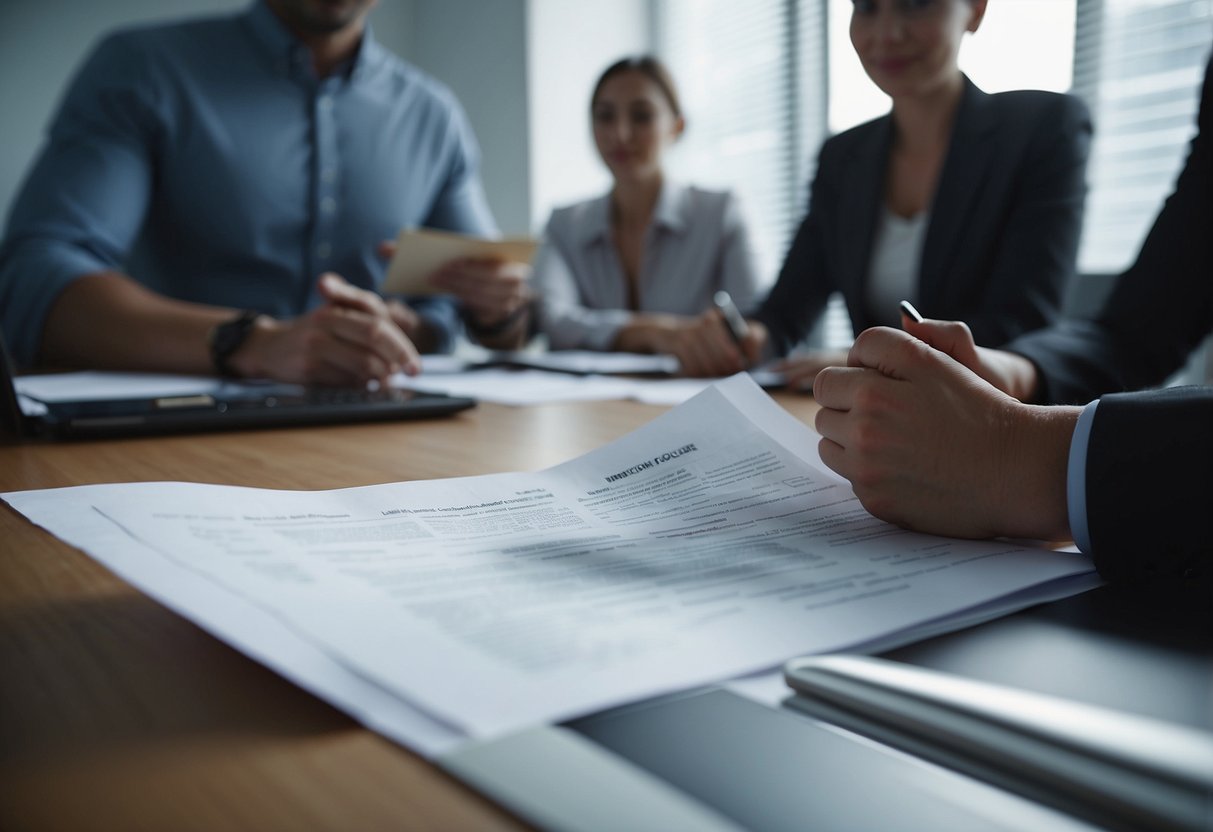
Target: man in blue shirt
x,y
215,193
939,435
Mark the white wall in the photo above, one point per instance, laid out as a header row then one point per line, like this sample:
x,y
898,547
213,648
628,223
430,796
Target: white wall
x,y
523,70
478,49
569,44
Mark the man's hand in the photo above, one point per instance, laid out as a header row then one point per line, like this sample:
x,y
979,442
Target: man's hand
x,y
415,327
1012,374
490,290
350,340
930,446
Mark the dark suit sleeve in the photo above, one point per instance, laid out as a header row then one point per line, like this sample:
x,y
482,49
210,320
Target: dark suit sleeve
x,y
1149,497
1160,309
1038,247
806,279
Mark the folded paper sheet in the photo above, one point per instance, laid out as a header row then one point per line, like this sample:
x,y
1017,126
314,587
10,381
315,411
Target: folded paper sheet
x,y
422,251
708,544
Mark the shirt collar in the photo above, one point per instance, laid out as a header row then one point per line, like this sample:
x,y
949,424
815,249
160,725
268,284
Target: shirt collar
x,y
673,207
671,213
597,221
288,54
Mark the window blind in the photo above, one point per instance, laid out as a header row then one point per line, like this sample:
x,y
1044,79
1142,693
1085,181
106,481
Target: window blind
x,y
752,84
1139,66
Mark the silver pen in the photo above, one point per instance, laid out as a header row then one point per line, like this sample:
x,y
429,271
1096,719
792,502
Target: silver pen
x,y
910,312
738,328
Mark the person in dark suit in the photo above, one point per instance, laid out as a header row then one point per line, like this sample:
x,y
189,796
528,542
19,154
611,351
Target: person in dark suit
x,y
940,435
970,205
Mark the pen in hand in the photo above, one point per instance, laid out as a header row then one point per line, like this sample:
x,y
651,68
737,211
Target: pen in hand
x,y
910,312
733,320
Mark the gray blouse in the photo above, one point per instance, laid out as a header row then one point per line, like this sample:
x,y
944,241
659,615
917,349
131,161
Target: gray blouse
x,y
695,245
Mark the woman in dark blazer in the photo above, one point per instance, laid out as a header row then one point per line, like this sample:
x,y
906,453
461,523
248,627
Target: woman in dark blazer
x,y
967,204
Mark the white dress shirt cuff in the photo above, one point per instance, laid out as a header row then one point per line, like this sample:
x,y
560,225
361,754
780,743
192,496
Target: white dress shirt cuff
x,y
1076,478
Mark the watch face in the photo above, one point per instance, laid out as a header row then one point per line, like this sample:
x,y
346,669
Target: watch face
x,y
227,339
230,335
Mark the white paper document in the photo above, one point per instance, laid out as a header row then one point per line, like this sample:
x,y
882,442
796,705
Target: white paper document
x,y
520,388
708,544
587,362
229,616
422,251
98,385
536,386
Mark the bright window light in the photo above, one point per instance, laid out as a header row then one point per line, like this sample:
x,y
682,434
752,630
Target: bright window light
x,y
1022,44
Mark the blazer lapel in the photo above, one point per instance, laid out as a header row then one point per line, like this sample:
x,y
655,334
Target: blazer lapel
x,y
859,205
968,161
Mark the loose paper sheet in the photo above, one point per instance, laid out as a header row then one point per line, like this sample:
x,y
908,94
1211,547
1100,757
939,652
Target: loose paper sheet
x,y
254,630
708,544
99,385
586,362
422,251
530,387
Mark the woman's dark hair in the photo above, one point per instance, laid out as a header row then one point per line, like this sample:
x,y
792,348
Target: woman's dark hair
x,y
649,67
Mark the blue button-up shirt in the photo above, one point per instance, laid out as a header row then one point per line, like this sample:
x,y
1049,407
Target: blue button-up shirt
x,y
207,160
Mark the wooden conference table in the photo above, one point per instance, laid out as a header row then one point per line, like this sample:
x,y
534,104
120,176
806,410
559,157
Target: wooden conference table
x,y
116,713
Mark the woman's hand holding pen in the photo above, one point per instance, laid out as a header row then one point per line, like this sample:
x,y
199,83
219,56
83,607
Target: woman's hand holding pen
x,y
705,346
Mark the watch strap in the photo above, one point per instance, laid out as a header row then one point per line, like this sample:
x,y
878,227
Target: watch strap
x,y
228,337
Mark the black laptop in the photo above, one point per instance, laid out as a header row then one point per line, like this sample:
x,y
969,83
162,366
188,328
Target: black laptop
x,y
215,405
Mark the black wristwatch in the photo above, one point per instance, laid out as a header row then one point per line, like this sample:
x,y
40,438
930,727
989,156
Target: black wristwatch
x,y
228,337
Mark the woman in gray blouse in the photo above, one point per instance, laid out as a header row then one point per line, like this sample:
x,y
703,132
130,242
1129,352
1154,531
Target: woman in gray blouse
x,y
632,269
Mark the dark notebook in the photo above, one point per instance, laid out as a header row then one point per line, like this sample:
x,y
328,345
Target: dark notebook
x,y
225,406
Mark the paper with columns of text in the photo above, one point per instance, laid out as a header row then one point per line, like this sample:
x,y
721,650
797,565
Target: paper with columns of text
x,y
708,544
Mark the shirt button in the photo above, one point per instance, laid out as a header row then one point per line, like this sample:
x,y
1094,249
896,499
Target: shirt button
x,y
328,205
323,250
329,175
326,102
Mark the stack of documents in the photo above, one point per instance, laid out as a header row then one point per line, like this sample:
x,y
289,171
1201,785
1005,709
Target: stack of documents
x,y
708,544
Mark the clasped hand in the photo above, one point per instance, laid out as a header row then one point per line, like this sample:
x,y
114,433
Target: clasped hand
x,y
929,443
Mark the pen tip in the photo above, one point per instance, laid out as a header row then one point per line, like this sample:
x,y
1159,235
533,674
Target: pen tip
x,y
910,312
